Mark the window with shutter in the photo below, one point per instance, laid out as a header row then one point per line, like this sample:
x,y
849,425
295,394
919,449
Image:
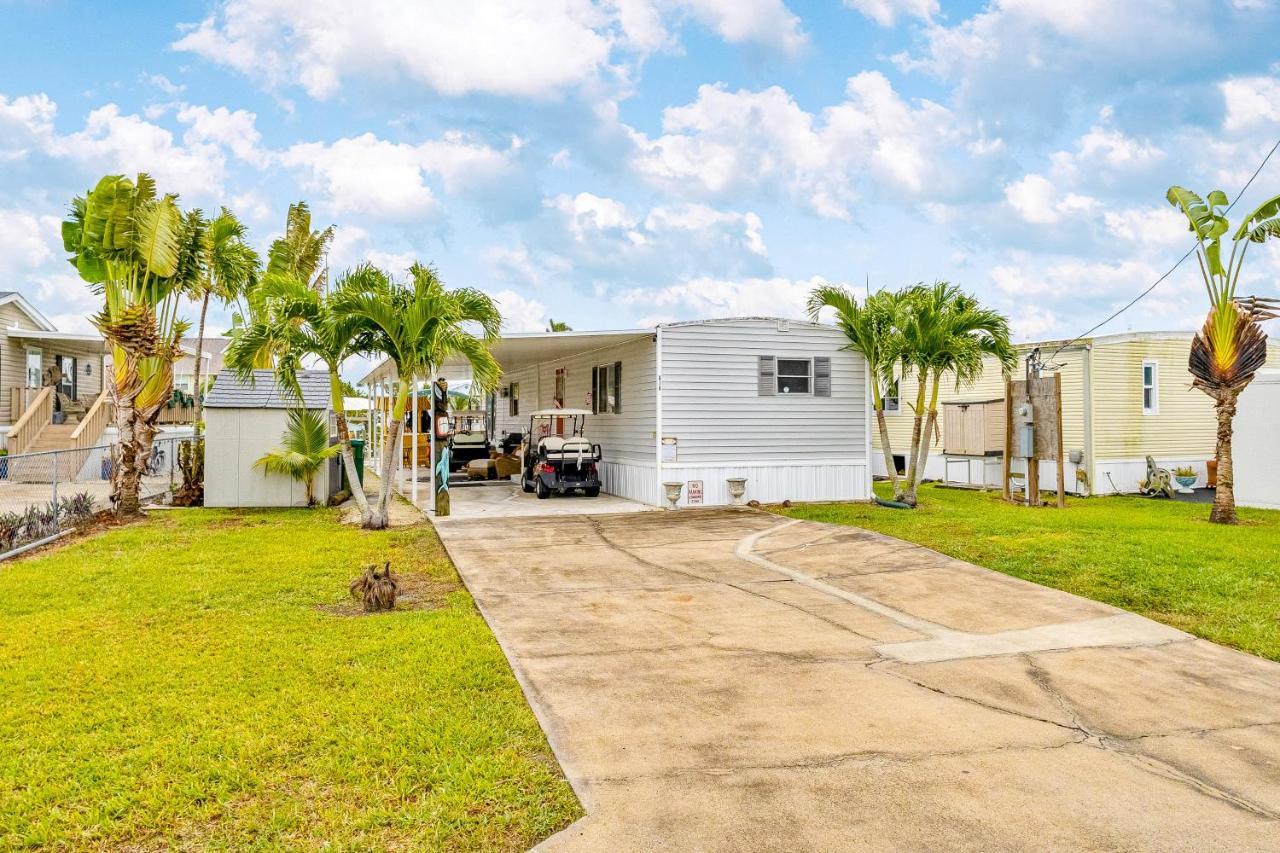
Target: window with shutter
x,y
822,376
595,391
766,376
617,387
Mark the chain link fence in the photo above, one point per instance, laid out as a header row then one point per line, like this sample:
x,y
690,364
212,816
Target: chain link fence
x,y
44,494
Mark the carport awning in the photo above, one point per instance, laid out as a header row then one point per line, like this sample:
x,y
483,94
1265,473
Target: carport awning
x,y
519,350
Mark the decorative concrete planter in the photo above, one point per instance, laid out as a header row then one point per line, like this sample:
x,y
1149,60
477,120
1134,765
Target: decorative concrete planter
x,y
673,493
737,488
1186,483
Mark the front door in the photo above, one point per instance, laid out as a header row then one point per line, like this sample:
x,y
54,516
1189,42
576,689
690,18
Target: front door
x,y
68,366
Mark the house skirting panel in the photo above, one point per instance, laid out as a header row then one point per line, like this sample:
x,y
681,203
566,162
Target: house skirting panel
x,y
773,482
1125,473
630,480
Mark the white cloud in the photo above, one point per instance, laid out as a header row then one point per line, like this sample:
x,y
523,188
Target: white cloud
x,y
26,241
706,297
164,84
500,47
368,175
26,122
735,143
520,314
1250,101
886,12
1037,200
1158,227
236,130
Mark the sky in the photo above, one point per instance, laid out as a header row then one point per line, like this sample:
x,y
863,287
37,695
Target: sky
x,y
621,163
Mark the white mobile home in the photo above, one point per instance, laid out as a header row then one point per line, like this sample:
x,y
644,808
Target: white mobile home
x,y
1255,447
780,403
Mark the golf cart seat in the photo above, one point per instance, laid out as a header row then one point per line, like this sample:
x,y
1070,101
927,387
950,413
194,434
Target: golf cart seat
x,y
474,438
572,448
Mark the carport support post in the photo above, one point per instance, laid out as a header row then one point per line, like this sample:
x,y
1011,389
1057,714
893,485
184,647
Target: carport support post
x,y
414,417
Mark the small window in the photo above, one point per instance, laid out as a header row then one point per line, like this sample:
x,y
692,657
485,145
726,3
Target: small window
x,y
795,376
560,385
513,396
892,403
606,398
1150,388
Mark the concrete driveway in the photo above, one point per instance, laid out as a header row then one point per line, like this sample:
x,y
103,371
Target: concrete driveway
x,y
730,680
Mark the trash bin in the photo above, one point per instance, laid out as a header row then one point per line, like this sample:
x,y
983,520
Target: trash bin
x,y
357,451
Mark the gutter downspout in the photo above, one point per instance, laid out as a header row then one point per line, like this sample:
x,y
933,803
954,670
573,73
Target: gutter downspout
x,y
1086,365
657,435
866,428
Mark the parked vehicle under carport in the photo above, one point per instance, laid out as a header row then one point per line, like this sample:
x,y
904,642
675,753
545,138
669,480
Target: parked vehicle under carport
x,y
558,457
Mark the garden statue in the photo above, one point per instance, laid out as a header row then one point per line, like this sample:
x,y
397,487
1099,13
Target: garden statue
x,y
1158,480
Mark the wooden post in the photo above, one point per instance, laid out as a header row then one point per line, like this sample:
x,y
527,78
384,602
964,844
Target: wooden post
x,y
1062,477
1008,438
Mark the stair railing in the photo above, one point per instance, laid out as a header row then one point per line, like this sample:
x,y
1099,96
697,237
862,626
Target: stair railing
x,y
92,425
37,416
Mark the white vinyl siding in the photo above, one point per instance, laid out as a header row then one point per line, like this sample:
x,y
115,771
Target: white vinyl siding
x,y
712,401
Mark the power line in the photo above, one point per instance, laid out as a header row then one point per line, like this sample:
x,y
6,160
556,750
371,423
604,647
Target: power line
x,y
1171,269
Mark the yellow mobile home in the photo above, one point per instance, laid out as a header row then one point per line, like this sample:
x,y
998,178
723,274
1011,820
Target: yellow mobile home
x,y
1124,397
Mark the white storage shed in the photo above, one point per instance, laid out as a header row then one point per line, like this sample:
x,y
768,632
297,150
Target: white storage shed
x,y
780,403
1255,449
245,420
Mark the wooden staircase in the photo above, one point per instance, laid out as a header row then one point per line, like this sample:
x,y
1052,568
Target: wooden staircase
x,y
54,437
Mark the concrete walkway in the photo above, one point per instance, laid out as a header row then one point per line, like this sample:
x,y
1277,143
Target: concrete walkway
x,y
730,680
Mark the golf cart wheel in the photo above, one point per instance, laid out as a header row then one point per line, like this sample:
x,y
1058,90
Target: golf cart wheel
x,y
542,490
592,491
524,484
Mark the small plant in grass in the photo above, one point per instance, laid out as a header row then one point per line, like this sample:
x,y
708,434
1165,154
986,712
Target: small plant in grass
x,y
306,447
77,509
376,589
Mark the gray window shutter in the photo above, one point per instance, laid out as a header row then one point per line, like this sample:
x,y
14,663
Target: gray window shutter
x,y
767,376
822,377
595,390
617,387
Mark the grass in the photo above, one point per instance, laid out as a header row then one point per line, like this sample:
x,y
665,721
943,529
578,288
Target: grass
x,y
1159,558
185,682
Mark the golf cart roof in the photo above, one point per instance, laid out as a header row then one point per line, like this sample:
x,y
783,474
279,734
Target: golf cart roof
x,y
559,413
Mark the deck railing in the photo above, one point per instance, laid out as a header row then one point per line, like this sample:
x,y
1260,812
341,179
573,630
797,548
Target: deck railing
x,y
37,416
93,424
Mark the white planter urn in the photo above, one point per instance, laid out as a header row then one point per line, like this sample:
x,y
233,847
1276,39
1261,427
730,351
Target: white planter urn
x,y
673,493
737,488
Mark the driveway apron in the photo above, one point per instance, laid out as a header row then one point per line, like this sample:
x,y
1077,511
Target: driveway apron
x,y
731,680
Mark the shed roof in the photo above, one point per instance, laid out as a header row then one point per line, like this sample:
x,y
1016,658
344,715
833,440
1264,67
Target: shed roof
x,y
264,391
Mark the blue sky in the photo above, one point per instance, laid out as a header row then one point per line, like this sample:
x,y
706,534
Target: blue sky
x,y
624,162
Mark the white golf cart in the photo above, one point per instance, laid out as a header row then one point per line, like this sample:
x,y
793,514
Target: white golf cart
x,y
469,438
557,456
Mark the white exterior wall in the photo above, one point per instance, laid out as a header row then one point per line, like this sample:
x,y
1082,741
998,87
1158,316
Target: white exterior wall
x,y
626,438
234,440
1255,447
797,447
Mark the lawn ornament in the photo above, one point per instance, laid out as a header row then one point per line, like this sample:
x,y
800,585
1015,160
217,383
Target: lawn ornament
x,y
1158,480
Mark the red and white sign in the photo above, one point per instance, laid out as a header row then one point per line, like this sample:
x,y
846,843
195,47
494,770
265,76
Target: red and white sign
x,y
695,492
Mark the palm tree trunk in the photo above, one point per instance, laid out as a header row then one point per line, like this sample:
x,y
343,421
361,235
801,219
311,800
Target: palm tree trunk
x,y
348,456
1224,500
380,516
888,450
908,494
204,309
926,438
126,476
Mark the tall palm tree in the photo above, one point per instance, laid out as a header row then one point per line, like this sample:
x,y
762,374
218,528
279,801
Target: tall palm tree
x,y
301,323
298,254
1228,351
419,325
871,330
140,253
306,448
558,326
229,268
942,330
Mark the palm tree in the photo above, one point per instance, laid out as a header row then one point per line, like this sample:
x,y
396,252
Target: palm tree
x,y
140,253
306,447
297,255
229,268
871,330
1228,351
300,322
558,326
418,325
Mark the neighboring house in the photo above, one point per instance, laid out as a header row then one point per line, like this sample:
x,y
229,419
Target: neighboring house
x,y
184,369
1124,397
30,347
245,420
781,403
1255,448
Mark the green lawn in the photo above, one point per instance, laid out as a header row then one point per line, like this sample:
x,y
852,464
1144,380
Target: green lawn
x,y
1155,557
180,682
